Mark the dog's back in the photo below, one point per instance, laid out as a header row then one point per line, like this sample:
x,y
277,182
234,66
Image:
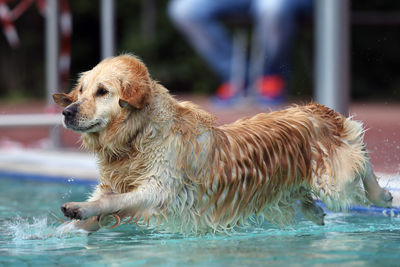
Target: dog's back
x,y
265,163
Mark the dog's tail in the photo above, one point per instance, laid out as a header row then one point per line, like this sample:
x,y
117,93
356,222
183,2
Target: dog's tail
x,y
346,177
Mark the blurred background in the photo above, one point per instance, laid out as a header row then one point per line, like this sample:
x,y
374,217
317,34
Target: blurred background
x,y
143,27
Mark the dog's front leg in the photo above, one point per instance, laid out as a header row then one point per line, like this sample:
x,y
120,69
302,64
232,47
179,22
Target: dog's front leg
x,y
143,198
375,193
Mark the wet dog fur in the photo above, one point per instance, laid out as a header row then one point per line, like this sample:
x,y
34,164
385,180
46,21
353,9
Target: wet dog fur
x,y
165,163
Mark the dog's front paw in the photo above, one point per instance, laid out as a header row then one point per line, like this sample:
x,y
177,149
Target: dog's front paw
x,y
75,210
382,198
314,213
387,199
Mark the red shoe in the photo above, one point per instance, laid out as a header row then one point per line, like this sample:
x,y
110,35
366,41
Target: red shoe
x,y
225,91
271,89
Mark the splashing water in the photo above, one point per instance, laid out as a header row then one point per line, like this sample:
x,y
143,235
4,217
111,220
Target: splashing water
x,y
40,229
29,228
66,195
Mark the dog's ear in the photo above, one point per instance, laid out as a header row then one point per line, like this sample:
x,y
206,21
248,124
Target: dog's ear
x,y
135,95
136,89
64,100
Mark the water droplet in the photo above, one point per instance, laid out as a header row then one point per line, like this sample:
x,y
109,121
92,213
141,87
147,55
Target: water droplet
x,y
70,180
66,194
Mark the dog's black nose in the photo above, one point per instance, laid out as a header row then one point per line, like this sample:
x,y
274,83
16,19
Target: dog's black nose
x,y
70,111
67,113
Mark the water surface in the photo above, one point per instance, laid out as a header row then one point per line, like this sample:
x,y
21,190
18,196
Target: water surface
x,y
27,221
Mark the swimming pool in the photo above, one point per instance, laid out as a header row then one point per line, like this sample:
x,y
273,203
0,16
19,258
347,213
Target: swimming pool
x,y
26,220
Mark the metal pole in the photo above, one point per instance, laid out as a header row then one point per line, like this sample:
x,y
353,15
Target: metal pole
x,y
332,54
52,73
107,28
52,78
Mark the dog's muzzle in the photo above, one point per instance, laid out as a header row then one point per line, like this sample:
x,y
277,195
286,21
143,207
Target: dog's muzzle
x,y
70,113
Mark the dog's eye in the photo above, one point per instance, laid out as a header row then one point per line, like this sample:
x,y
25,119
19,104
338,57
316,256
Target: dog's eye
x,y
101,91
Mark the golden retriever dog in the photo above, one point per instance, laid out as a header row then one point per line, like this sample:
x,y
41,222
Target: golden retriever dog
x,y
166,164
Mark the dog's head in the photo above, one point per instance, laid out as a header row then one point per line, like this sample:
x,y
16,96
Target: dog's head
x,y
114,85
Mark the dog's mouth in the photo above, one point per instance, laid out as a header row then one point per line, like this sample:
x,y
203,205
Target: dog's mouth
x,y
79,126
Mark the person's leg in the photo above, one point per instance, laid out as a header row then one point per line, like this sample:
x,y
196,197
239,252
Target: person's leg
x,y
275,24
199,21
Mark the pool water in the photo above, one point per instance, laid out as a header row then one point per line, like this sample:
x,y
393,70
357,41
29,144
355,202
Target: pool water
x,y
27,220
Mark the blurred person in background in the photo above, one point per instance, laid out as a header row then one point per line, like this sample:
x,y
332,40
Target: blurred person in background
x,y
275,21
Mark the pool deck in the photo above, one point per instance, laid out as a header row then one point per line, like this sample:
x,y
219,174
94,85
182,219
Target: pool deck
x,y
23,152
48,165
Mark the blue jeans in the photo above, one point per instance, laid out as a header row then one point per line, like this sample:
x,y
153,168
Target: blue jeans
x,y
274,25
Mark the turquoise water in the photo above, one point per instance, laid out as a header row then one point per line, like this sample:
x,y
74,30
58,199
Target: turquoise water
x,y
26,221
